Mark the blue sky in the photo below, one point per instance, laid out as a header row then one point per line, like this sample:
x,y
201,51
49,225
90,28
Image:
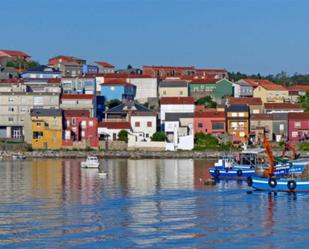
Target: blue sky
x,y
250,36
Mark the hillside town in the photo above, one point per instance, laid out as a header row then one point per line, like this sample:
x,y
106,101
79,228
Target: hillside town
x,y
74,104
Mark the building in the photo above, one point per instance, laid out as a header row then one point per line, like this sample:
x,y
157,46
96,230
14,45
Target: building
x,y
118,89
242,89
79,102
261,124
297,90
46,129
298,126
15,106
280,126
85,84
12,55
173,88
41,72
270,92
209,122
90,69
104,67
255,104
79,129
36,85
68,65
175,105
282,107
224,88
237,118
199,88
109,130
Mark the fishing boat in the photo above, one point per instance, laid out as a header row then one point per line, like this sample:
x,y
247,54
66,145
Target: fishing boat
x,y
91,162
271,182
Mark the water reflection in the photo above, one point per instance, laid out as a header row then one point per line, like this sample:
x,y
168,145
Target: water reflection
x,y
141,203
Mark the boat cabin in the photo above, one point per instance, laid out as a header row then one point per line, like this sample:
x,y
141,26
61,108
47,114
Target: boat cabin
x,y
252,157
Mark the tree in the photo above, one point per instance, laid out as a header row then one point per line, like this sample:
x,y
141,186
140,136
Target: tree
x,y
159,136
206,101
123,136
304,101
129,66
112,103
22,64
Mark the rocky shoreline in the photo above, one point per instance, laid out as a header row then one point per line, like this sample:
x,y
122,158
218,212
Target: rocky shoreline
x,y
128,154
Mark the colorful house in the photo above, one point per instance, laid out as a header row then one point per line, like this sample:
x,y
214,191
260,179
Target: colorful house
x,y
282,107
173,88
199,88
224,88
296,91
271,92
255,104
237,118
46,128
209,122
79,129
118,89
298,126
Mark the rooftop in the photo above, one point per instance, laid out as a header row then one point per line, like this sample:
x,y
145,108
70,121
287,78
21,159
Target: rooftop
x,y
46,112
262,116
174,83
282,106
177,101
299,115
244,101
77,96
299,87
209,114
115,125
76,113
12,53
104,64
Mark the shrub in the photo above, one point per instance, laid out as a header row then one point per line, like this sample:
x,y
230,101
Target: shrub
x,y
123,136
159,136
304,146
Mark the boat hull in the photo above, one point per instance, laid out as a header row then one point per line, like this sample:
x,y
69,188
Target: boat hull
x,y
231,173
90,165
278,185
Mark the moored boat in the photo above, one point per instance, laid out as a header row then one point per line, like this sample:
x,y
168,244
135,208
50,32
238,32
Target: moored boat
x,y
91,162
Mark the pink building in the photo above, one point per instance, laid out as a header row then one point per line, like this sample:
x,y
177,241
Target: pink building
x,y
209,122
298,126
79,128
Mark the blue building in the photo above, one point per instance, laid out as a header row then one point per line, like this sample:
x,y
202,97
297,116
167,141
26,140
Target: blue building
x,y
118,89
90,69
41,72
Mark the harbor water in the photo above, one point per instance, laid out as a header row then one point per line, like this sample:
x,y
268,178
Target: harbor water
x,y
53,203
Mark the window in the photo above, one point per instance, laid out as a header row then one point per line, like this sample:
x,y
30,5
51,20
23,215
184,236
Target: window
x,y
297,124
234,114
181,92
11,109
67,123
164,92
73,121
37,134
38,124
147,135
84,124
11,119
281,127
83,134
200,125
23,109
218,126
241,114
90,123
137,124
294,134
149,124
11,99
241,134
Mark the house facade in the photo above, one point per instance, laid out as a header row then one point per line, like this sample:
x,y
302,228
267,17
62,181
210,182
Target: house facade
x,y
118,89
242,89
199,88
261,124
270,92
255,104
41,72
173,88
209,122
104,67
282,107
109,130
224,88
298,127
237,118
143,124
79,129
46,129
85,84
280,126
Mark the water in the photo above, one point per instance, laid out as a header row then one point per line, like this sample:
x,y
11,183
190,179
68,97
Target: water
x,y
141,204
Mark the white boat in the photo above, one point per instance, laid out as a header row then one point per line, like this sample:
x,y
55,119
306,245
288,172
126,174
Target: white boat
x,y
91,162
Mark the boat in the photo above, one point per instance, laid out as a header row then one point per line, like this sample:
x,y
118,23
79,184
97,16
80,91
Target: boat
x,y
102,174
91,162
271,182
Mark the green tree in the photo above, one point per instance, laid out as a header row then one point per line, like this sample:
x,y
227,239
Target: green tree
x,y
112,103
304,101
129,66
206,101
123,135
158,136
22,64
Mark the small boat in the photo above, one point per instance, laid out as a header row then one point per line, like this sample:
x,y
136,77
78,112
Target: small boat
x,y
102,174
91,162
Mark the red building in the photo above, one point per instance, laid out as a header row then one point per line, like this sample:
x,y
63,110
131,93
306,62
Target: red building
x,y
298,126
209,122
79,128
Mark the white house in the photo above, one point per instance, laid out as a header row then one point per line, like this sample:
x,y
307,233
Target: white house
x,y
144,125
110,130
146,87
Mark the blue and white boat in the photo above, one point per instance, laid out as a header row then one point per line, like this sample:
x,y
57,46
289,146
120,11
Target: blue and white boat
x,y
231,173
278,184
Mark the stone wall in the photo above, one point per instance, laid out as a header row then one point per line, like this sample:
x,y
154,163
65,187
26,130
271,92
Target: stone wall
x,y
112,145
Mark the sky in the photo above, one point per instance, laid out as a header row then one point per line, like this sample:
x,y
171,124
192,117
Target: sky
x,y
250,36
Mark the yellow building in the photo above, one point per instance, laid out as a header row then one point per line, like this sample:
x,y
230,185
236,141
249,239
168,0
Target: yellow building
x,y
270,92
173,88
46,129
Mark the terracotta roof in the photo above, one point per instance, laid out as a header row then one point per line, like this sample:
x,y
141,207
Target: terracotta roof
x,y
12,81
209,114
143,113
257,82
104,64
282,106
177,100
76,113
299,115
170,67
125,75
299,87
204,81
212,70
54,80
272,86
13,53
242,101
116,82
77,96
115,125
262,116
